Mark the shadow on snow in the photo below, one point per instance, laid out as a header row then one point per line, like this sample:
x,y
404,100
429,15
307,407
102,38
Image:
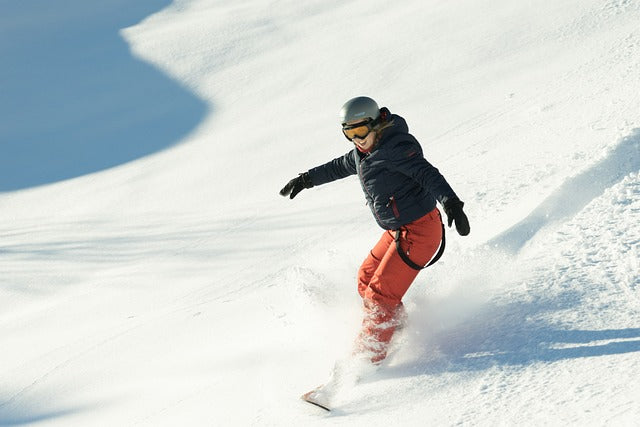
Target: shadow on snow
x,y
17,419
509,335
571,197
18,411
73,100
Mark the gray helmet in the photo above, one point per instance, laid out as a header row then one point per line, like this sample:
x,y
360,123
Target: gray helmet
x,y
361,107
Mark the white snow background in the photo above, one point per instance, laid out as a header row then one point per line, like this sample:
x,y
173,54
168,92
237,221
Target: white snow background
x,y
150,274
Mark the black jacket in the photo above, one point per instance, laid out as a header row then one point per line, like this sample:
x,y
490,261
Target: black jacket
x,y
400,185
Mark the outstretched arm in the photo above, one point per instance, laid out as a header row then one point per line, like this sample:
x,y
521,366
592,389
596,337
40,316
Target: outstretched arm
x,y
335,169
339,168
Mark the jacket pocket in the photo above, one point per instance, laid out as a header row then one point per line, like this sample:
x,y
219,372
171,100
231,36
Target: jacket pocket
x,y
394,206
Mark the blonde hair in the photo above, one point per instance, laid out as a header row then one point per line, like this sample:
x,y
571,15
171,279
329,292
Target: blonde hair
x,y
381,127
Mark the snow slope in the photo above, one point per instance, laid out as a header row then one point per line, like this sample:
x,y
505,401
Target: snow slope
x,y
150,274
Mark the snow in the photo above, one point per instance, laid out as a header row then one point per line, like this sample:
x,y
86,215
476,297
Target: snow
x,y
150,274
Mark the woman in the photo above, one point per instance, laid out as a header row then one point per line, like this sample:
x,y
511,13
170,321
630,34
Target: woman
x,y
401,189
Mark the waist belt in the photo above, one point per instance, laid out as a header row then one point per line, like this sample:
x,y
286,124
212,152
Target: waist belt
x,y
406,258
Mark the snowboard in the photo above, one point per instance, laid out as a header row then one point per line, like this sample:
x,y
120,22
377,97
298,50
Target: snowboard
x,y
344,377
313,398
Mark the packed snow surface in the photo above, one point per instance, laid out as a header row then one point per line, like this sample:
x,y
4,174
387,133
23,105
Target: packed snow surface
x,y
150,274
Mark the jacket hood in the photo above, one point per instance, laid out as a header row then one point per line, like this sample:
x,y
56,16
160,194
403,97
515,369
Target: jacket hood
x,y
399,127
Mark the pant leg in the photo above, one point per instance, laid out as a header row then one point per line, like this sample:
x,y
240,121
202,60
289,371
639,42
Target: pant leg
x,y
390,281
371,263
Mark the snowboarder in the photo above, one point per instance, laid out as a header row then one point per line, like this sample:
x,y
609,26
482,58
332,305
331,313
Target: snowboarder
x,y
401,188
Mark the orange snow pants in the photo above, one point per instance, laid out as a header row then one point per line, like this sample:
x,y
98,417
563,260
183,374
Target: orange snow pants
x,y
384,278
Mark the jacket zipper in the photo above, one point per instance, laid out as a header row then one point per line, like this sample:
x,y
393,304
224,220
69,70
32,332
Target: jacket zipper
x,y
361,176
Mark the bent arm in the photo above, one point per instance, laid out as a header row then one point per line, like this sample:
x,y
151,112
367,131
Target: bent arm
x,y
408,160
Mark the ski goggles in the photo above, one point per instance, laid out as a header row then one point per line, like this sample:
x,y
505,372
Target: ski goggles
x,y
357,130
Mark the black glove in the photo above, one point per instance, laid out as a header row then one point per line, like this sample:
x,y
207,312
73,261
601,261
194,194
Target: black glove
x,y
453,209
296,185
